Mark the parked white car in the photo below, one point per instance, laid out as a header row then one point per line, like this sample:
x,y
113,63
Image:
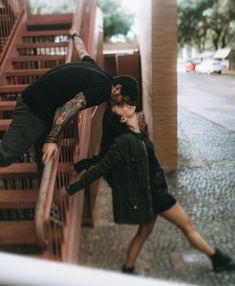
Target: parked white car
x,y
209,66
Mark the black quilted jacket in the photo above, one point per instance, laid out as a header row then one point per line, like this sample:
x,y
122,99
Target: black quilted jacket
x,y
126,164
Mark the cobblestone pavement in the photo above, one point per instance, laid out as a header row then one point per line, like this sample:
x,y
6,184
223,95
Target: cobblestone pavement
x,y
204,183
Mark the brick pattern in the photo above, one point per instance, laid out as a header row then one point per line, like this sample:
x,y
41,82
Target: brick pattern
x,y
158,43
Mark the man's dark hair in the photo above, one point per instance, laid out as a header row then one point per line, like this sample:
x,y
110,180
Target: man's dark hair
x,y
130,86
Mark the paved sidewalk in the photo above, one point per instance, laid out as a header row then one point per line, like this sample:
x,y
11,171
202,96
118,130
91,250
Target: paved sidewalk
x,y
205,185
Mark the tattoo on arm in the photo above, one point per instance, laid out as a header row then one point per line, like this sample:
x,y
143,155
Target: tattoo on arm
x,y
67,112
80,47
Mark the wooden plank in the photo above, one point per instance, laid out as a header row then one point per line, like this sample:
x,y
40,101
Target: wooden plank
x,y
17,232
17,88
18,199
38,20
41,45
45,33
19,170
26,72
38,58
7,105
4,124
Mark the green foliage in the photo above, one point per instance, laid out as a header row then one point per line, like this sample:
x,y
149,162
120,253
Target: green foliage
x,y
206,23
117,21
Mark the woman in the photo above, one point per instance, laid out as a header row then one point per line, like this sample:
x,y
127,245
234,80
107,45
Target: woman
x,y
139,189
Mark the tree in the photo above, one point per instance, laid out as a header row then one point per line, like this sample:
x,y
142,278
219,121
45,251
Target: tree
x,y
117,21
206,22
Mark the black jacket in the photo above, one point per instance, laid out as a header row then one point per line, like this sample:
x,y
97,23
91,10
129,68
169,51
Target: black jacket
x,y
126,165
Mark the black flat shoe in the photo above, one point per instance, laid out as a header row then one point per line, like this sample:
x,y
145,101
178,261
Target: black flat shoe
x,y
222,262
128,270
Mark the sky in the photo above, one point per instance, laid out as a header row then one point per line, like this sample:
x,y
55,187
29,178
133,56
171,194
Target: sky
x,y
132,6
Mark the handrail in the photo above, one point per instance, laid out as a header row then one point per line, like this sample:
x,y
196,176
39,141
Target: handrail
x,y
54,215
9,15
10,38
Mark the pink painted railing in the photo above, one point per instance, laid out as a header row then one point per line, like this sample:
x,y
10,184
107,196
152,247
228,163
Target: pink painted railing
x,y
9,11
58,220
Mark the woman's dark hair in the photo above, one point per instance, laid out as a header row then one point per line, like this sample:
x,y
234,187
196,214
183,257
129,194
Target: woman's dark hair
x,y
130,86
114,128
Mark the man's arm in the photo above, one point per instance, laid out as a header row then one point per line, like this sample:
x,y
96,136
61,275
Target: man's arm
x,y
66,113
78,44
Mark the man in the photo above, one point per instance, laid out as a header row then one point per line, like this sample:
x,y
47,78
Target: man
x,y
72,87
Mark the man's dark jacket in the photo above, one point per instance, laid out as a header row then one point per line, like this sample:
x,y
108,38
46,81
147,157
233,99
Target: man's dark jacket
x,y
126,165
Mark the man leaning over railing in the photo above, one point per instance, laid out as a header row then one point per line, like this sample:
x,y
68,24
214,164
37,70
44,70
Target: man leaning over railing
x,y
71,87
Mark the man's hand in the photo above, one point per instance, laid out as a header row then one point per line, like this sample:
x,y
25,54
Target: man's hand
x,y
49,149
73,31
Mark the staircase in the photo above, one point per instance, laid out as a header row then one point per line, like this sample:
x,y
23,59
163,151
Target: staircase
x,y
42,45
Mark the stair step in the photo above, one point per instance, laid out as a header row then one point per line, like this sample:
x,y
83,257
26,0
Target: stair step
x,y
41,45
7,105
14,88
4,124
18,199
17,232
19,170
49,22
27,72
45,33
5,18
38,58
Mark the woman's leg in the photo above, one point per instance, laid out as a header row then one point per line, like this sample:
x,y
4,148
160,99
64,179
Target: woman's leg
x,y
179,217
137,243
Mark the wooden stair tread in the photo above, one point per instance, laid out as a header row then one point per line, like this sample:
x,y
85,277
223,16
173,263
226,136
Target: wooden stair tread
x,y
4,124
45,33
40,20
26,72
7,105
5,17
19,170
38,58
41,45
17,232
17,88
16,199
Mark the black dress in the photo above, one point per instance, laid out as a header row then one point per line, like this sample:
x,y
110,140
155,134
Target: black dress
x,y
161,198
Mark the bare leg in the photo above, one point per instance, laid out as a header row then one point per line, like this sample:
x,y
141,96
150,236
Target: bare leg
x,y
137,243
179,217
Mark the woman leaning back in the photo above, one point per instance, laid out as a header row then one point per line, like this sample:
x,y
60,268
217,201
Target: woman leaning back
x,y
139,189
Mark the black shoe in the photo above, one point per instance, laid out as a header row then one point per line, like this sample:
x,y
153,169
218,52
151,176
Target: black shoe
x,y
222,262
128,270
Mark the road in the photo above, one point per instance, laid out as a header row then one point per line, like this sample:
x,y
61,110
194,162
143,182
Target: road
x,y
210,96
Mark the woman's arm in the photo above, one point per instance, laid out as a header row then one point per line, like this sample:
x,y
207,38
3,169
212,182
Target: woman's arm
x,y
111,159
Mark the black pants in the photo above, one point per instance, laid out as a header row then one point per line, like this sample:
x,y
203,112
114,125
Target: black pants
x,y
25,130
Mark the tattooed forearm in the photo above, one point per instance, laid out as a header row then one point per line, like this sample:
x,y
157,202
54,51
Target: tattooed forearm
x,y
67,112
80,47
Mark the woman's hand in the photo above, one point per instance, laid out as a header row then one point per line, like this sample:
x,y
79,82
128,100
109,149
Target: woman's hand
x,y
49,150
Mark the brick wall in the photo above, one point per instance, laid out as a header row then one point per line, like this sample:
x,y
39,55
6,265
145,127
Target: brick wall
x,y
158,44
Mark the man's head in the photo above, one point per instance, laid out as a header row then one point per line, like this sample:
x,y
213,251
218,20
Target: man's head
x,y
124,88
